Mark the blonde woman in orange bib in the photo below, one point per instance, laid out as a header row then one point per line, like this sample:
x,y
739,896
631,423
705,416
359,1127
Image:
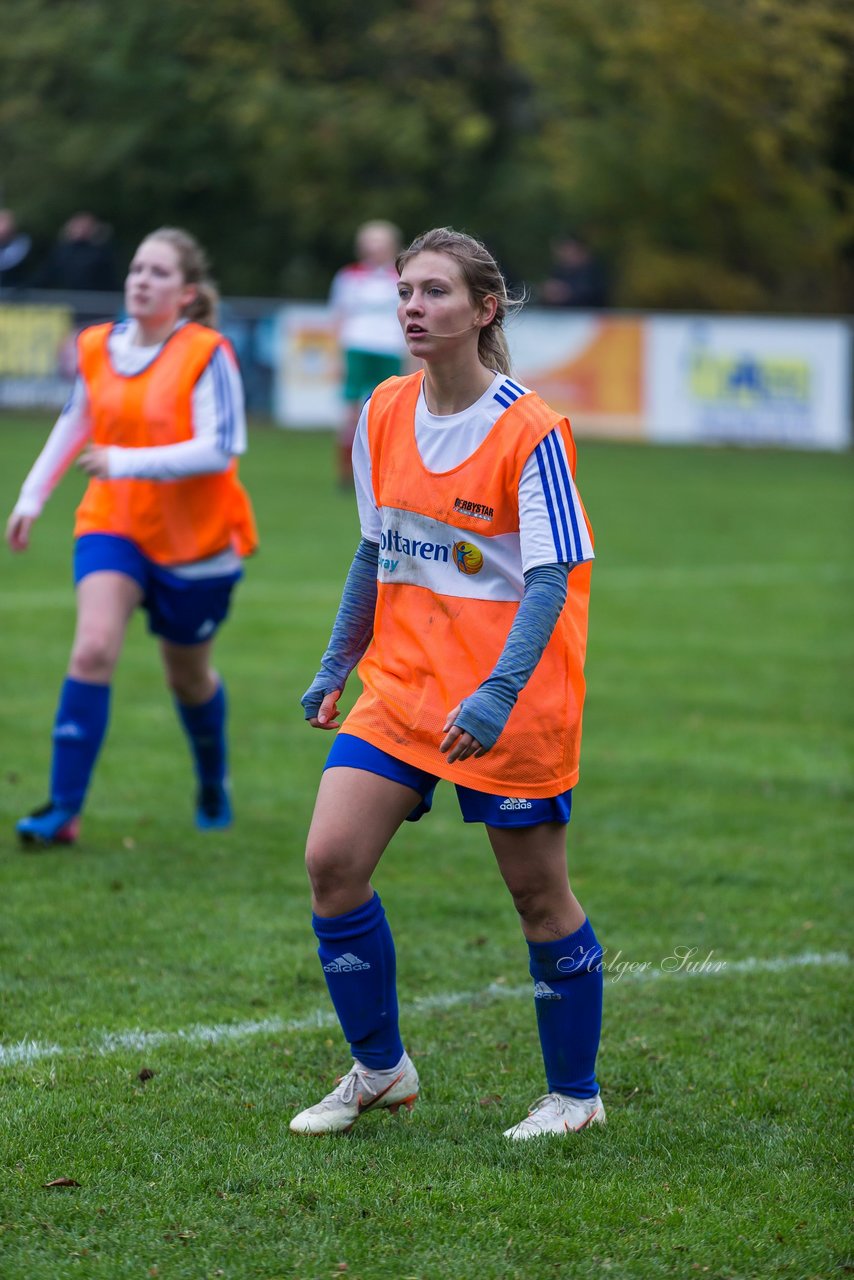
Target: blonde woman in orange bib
x,y
156,420
466,610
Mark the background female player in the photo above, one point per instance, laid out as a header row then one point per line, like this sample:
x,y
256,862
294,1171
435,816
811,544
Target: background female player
x,y
473,635
363,298
160,398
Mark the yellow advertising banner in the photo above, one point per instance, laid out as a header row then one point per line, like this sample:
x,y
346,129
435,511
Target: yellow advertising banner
x,y
32,340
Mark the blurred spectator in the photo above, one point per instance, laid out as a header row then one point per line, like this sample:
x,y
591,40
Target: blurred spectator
x,y
15,249
81,258
364,302
576,279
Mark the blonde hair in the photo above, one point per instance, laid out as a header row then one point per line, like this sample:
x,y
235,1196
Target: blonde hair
x,y
482,276
391,229
194,267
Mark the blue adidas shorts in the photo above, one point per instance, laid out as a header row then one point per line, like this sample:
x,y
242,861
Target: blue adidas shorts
x,y
476,806
180,610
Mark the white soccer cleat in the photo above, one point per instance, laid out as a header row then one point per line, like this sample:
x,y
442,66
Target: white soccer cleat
x,y
560,1114
359,1091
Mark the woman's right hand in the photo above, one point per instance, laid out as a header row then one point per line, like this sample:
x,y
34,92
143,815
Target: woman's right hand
x,y
18,531
327,714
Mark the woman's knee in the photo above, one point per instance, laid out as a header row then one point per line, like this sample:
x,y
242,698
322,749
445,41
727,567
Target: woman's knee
x,y
189,674
94,655
193,688
540,905
531,902
331,872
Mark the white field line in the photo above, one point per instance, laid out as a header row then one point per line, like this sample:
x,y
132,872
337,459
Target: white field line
x,y
719,575
612,577
27,1051
663,577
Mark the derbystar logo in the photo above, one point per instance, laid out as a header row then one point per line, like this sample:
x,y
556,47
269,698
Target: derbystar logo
x,y
477,510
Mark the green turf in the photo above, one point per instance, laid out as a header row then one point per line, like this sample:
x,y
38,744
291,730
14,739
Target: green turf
x,y
714,813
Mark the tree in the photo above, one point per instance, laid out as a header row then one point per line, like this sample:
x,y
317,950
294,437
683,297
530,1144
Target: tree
x,y
270,128
691,138
703,146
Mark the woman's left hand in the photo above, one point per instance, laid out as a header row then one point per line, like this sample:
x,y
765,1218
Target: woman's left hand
x,y
458,744
94,461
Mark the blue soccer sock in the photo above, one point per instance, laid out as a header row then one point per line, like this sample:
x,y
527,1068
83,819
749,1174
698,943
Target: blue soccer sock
x,y
357,953
568,996
78,731
205,729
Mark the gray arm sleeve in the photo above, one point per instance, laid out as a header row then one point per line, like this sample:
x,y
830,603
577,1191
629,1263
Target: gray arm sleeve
x,y
353,629
484,714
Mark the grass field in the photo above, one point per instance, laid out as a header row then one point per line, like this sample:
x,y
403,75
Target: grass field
x,y
713,814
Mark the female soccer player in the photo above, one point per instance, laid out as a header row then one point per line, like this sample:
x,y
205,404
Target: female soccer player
x,y
363,299
164,522
471,631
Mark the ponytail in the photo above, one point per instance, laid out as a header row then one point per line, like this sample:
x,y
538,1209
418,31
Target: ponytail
x,y
193,263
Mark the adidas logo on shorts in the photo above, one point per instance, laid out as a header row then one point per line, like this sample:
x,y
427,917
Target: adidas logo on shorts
x,y
510,803
542,991
348,963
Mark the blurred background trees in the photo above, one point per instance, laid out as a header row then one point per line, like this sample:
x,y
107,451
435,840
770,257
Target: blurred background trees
x,y
703,147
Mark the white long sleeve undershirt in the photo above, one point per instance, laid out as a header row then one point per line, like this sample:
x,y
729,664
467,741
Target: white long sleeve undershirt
x,y
167,461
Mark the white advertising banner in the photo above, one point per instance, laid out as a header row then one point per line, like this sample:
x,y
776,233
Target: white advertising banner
x,y
308,373
748,380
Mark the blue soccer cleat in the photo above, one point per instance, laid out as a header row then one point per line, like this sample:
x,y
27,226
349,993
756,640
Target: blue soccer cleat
x,y
49,825
213,807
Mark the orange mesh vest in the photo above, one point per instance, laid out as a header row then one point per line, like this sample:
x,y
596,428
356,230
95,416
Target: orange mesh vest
x,y
449,585
173,521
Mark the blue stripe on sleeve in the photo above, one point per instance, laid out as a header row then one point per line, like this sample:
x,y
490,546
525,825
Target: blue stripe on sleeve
x,y
229,391
568,489
217,387
541,463
550,447
224,402
78,380
515,385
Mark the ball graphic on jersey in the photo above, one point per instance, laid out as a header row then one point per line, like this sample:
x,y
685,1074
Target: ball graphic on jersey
x,y
467,558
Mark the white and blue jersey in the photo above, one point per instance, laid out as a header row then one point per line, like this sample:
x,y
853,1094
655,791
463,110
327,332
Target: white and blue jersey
x,y
219,433
552,527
